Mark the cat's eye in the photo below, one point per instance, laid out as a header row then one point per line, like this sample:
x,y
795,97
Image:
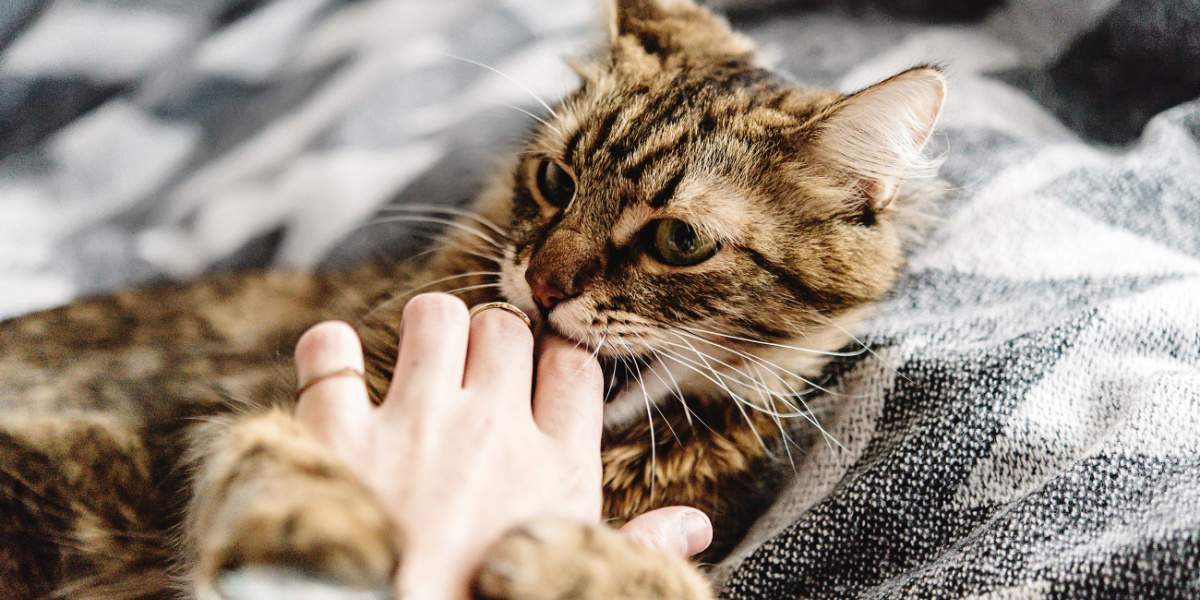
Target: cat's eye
x,y
555,184
678,244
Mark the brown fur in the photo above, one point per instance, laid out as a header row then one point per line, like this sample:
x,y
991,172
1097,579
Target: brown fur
x,y
147,444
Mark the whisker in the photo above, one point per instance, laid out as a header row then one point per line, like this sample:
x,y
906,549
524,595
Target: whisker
x,y
392,299
692,364
778,421
773,344
646,396
747,381
766,363
599,346
446,244
468,288
674,386
508,77
738,400
772,412
865,347
653,436
478,218
436,220
537,118
810,416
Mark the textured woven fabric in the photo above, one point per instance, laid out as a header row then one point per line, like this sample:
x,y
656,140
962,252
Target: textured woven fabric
x,y
1029,422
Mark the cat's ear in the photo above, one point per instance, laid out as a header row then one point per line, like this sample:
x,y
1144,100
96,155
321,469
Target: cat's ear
x,y
672,29
878,135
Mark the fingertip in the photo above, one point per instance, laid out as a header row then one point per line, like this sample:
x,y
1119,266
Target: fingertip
x,y
327,343
697,531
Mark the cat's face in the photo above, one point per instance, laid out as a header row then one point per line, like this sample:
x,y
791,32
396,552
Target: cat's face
x,y
683,191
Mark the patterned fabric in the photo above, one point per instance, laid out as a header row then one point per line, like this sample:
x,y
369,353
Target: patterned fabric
x,y
1029,422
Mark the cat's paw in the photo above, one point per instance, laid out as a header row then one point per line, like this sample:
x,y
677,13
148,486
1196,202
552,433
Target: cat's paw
x,y
328,530
566,560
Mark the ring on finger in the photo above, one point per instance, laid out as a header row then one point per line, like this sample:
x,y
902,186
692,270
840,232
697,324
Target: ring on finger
x,y
346,372
478,308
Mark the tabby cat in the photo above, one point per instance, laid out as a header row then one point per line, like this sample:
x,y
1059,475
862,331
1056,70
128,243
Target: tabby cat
x,y
709,227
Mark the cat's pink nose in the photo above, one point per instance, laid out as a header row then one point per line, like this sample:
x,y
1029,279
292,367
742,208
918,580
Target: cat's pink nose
x,y
545,293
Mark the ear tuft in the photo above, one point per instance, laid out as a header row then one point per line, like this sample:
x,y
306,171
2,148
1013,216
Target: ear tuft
x,y
878,135
673,28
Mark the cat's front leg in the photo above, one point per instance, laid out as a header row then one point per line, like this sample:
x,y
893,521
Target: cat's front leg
x,y
274,511
568,560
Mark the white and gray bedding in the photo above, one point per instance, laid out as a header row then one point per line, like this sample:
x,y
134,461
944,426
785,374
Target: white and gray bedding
x,y
1029,422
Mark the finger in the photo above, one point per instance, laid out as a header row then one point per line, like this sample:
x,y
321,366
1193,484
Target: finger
x,y
677,529
500,355
569,398
337,406
433,347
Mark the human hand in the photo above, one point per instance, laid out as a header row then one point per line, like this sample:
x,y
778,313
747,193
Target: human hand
x,y
458,452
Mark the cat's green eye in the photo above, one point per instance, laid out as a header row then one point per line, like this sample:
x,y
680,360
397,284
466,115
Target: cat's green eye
x,y
555,184
678,244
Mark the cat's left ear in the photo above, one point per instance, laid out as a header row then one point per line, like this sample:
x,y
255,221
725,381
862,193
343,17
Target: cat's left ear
x,y
672,29
878,135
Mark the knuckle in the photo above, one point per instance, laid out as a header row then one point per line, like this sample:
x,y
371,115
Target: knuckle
x,y
437,309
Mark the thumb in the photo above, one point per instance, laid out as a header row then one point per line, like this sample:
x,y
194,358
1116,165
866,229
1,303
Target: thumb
x,y
676,529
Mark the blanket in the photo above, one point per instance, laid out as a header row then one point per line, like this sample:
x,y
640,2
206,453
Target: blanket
x,y
1027,423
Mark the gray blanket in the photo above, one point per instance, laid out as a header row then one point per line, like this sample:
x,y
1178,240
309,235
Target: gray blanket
x,y
1028,424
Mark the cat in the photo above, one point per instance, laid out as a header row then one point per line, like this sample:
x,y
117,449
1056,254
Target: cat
x,y
709,228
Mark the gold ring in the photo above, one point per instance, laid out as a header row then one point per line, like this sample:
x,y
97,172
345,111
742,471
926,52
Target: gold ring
x,y
478,308
346,372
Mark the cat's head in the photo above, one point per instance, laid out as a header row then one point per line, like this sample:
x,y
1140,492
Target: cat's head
x,y
684,191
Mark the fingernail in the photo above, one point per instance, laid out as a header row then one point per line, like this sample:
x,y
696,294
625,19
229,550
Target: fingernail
x,y
697,532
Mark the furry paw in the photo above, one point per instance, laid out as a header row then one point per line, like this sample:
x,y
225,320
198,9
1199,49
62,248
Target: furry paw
x,y
329,529
566,560
269,499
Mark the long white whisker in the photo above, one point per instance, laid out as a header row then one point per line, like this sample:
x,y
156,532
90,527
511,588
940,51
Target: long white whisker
x,y
440,221
392,299
637,373
536,118
778,421
773,344
766,363
865,347
745,381
673,386
445,242
738,400
508,77
451,210
469,288
810,416
692,366
653,436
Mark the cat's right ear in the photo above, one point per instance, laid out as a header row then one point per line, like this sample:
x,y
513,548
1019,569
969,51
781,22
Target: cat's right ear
x,y
877,136
671,30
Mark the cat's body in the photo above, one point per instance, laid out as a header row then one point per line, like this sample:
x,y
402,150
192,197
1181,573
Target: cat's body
x,y
686,212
